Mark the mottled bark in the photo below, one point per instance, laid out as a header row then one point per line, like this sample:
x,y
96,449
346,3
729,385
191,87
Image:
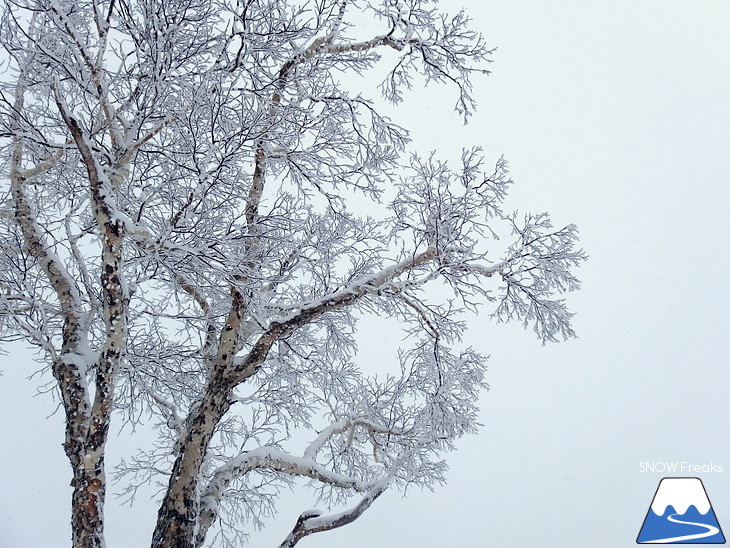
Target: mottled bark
x,y
90,477
177,516
178,513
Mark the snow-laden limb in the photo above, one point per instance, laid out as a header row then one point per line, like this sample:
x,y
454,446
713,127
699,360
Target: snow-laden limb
x,y
313,521
372,284
347,424
42,166
69,371
62,282
271,459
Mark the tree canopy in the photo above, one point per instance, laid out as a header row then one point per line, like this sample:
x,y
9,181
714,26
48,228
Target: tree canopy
x,y
196,214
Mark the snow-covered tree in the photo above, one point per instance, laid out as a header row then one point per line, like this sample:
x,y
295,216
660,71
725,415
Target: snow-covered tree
x,y
198,207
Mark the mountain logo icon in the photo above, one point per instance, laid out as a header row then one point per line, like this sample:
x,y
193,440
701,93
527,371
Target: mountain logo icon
x,y
680,513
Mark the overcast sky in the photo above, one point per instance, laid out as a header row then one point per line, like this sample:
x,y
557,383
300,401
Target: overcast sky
x,y
614,116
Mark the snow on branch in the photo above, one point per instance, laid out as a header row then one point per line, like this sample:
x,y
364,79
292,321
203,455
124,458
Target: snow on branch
x,y
282,327
313,521
276,460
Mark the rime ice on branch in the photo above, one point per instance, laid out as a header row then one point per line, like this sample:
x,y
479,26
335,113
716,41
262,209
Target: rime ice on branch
x,y
181,239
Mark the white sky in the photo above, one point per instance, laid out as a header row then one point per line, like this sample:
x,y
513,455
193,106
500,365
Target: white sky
x,y
615,116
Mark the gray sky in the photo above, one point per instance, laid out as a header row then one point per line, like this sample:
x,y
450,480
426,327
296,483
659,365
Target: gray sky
x,y
614,116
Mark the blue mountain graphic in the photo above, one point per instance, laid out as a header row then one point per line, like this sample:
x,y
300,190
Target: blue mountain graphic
x,y
660,527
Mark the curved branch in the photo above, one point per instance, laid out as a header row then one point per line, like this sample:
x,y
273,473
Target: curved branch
x,y
313,522
272,459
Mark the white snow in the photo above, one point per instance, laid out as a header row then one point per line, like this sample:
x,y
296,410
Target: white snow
x,y
680,493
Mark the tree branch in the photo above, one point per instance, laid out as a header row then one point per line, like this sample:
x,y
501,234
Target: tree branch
x,y
278,329
313,522
113,289
67,369
271,459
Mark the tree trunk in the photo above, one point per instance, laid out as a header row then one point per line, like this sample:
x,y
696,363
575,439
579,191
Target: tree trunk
x,y
87,517
178,514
